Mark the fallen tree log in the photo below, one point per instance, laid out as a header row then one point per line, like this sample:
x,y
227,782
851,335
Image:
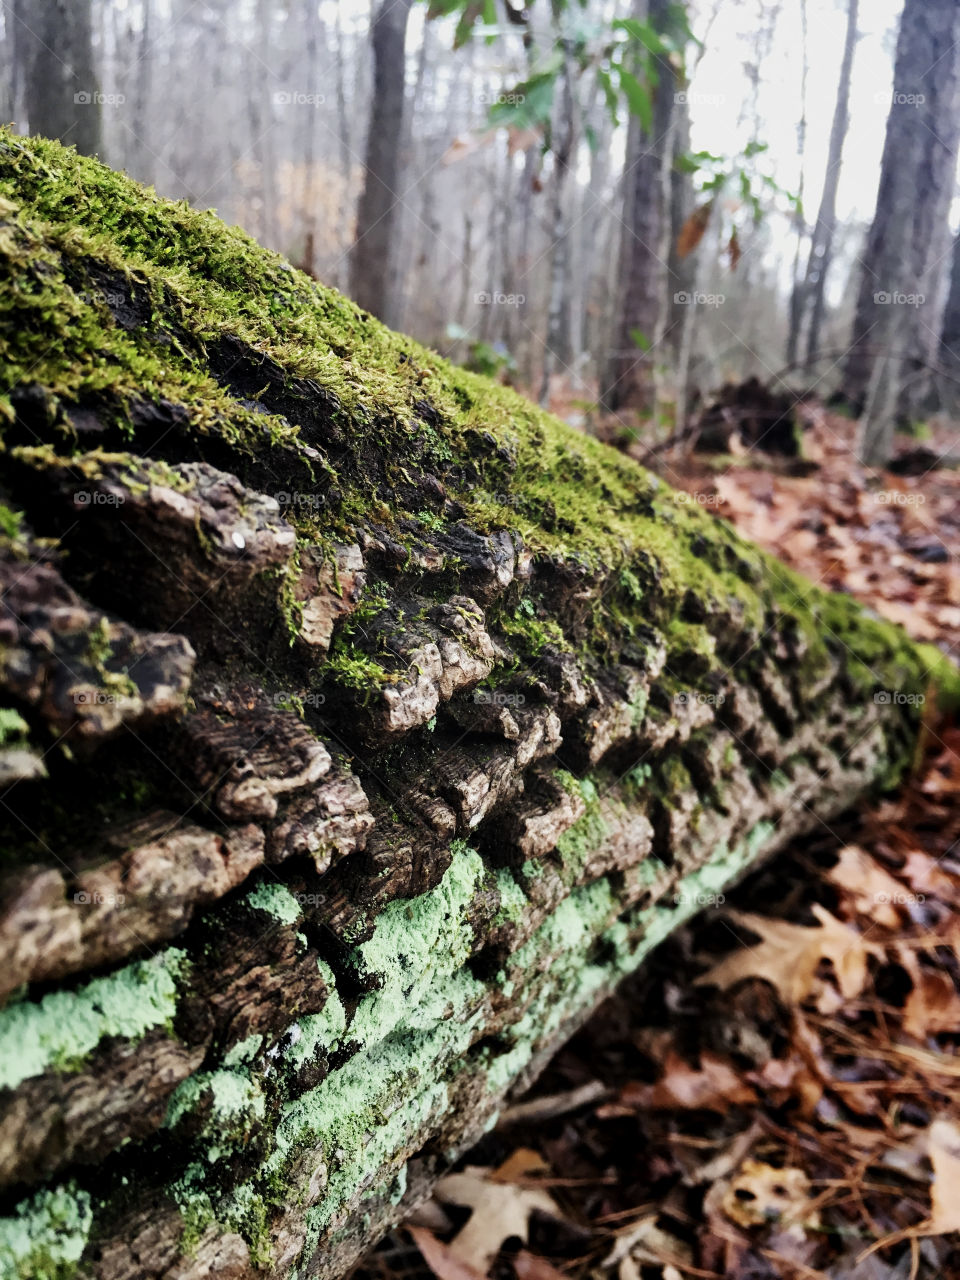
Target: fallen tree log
x,y
362,726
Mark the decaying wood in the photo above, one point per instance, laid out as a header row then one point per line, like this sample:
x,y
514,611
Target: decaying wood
x,y
362,727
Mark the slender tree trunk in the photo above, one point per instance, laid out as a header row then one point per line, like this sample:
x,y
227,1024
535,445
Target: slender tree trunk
x,y
629,378
371,258
903,284
821,246
61,89
563,149
798,291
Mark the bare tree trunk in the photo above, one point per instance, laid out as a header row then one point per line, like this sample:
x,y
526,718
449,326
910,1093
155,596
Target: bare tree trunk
x,y
821,246
61,89
798,291
903,285
371,259
556,349
628,381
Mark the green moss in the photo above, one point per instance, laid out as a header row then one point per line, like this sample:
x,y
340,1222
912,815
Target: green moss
x,y
66,220
14,730
59,1031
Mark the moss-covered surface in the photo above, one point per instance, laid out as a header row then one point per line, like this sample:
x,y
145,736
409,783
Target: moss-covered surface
x,y
382,1009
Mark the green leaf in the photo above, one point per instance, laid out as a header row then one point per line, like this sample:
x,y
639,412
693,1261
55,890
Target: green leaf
x,y
641,32
609,93
638,99
640,339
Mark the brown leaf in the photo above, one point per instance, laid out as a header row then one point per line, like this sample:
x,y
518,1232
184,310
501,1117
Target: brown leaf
x,y
789,955
715,1087
761,1194
440,1258
692,231
499,1212
529,1267
944,1150
875,892
733,248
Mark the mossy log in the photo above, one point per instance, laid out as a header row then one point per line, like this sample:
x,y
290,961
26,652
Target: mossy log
x,y
361,726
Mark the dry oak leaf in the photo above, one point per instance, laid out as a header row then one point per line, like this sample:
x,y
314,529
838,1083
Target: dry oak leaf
x,y
499,1212
789,955
943,1146
875,892
715,1087
440,1258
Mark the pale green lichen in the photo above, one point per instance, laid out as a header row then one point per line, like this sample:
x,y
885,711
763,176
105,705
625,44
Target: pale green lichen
x,y
45,1237
60,1030
277,900
319,1031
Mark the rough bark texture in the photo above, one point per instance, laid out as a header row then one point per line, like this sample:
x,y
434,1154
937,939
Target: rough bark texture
x,y
903,287
363,725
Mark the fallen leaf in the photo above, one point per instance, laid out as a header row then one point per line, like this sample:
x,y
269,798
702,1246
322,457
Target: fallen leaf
x,y
715,1087
875,892
529,1267
944,1150
761,1194
789,955
500,1211
440,1258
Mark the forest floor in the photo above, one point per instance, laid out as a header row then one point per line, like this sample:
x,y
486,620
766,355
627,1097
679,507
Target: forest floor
x,y
776,1093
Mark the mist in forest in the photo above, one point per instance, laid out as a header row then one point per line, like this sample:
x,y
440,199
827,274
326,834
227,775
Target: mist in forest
x,y
616,205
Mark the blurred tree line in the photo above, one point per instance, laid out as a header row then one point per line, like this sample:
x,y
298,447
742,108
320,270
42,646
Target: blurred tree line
x,y
516,183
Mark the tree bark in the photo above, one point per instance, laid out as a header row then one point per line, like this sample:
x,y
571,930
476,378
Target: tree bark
x,y
372,282
333,801
903,284
821,246
628,381
61,90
